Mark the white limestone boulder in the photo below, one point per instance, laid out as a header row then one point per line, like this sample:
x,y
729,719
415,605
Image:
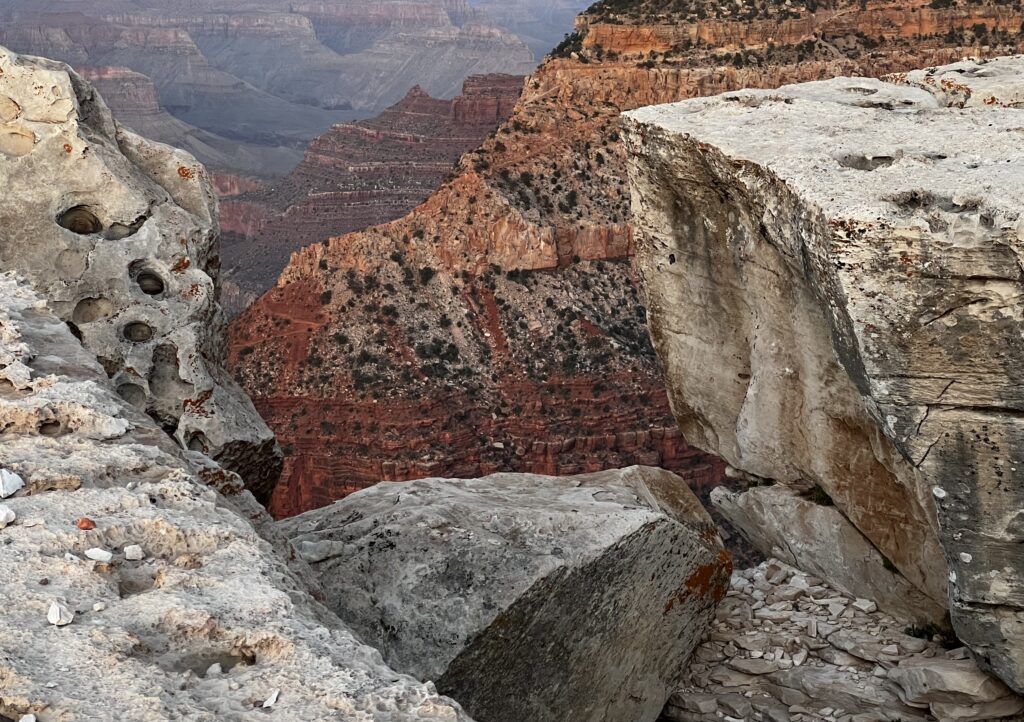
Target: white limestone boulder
x,y
526,597
833,278
120,235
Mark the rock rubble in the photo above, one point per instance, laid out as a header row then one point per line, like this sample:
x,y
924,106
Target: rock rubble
x,y
787,647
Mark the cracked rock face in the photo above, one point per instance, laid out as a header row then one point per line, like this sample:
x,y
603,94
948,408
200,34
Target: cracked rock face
x,y
132,589
120,236
834,284
526,597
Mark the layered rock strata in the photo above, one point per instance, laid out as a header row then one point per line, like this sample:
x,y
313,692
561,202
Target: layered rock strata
x,y
854,248
135,586
120,236
788,647
342,337
526,597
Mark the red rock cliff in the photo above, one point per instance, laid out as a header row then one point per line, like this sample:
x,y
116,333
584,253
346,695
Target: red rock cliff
x,y
497,325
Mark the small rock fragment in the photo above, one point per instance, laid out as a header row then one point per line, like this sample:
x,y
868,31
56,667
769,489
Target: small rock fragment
x,y
99,607
7,516
9,483
59,615
27,718
133,553
98,555
865,605
272,699
85,524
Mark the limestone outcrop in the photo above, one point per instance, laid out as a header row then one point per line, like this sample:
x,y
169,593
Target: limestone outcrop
x,y
120,236
135,584
526,597
786,646
834,283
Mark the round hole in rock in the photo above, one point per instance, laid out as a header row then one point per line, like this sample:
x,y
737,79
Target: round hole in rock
x,y
92,309
197,442
80,220
50,428
133,394
671,258
150,283
138,332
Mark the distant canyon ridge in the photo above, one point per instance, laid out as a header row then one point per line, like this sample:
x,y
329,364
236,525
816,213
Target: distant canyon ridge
x,y
245,85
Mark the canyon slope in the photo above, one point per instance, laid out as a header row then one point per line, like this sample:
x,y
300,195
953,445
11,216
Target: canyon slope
x,y
357,175
497,326
250,72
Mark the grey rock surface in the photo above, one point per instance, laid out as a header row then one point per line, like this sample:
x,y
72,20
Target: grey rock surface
x,y
210,622
526,597
833,277
120,235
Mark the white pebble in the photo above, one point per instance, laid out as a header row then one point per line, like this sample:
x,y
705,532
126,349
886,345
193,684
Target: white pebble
x,y
9,483
938,492
966,558
7,516
98,555
99,607
59,615
27,718
269,702
133,553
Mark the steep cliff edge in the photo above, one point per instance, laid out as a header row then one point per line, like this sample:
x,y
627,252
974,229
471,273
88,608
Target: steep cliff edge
x,y
496,327
141,581
125,250
854,249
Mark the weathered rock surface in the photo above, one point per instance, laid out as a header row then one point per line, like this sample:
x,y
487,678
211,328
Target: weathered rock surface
x,y
785,647
526,597
194,616
120,236
855,247
365,373
814,536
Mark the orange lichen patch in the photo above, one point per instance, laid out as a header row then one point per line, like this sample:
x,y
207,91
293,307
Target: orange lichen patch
x,y
85,524
709,580
186,172
68,148
181,264
195,405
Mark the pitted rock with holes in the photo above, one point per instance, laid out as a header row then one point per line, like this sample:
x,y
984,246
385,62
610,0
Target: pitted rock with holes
x,y
120,235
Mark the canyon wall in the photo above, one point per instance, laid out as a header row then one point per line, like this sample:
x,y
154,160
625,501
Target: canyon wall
x,y
497,326
837,302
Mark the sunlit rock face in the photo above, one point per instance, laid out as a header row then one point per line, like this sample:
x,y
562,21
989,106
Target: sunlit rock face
x,y
120,236
834,284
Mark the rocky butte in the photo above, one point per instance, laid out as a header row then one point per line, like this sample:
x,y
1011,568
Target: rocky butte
x,y
497,326
855,246
357,175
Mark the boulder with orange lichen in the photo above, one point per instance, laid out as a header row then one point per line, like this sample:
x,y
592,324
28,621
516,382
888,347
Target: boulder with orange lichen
x,y
526,597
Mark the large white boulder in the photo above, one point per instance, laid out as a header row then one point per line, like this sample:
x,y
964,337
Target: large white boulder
x,y
834,284
526,597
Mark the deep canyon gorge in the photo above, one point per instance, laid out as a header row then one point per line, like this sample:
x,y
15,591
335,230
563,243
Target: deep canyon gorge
x,y
674,380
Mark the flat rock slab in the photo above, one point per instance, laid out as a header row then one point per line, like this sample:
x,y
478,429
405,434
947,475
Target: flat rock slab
x,y
526,597
833,277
